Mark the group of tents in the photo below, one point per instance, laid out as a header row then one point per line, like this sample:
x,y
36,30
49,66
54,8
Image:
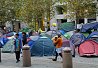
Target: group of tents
x,y
39,45
43,45
87,46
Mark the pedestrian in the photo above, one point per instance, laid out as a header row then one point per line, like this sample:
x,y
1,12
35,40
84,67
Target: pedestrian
x,y
18,46
24,38
76,39
58,43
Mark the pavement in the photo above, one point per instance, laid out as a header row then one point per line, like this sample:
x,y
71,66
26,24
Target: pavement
x,y
8,61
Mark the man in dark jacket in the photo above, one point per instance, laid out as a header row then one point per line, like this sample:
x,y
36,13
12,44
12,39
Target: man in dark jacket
x,y
18,46
24,38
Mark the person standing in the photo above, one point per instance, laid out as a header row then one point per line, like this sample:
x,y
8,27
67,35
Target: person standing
x,y
17,44
76,39
58,43
24,38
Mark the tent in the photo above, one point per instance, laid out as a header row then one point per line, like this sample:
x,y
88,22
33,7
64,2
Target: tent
x,y
88,48
66,43
67,26
8,47
86,27
68,34
77,39
62,32
42,47
10,34
34,38
93,34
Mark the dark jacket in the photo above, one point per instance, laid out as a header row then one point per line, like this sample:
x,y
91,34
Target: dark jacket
x,y
24,39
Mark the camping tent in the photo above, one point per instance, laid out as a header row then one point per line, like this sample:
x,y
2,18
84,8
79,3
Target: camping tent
x,y
62,32
88,48
77,39
68,34
93,34
42,47
8,47
67,26
86,27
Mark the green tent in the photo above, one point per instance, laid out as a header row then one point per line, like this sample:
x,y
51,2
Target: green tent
x,y
25,30
67,26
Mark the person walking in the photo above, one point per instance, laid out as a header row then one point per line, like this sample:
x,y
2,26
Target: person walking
x,y
17,45
58,44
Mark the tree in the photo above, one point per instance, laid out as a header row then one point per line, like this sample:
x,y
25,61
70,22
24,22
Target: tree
x,y
80,8
25,10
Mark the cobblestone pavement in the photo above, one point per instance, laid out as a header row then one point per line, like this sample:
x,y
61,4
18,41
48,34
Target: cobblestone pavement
x,y
8,61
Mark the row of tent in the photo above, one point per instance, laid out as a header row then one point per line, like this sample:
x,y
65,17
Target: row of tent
x,y
39,45
87,46
69,26
43,46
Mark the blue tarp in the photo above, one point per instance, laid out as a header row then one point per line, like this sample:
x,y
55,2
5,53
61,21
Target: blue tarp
x,y
85,27
92,34
42,47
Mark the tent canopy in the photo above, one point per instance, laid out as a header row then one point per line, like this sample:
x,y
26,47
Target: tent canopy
x,y
67,26
88,48
93,34
77,39
86,27
42,47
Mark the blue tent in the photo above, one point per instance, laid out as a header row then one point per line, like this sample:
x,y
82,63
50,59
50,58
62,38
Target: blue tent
x,y
77,39
86,27
93,34
62,32
8,47
10,34
31,43
42,47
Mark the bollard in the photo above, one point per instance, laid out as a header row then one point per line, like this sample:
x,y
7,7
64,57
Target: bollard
x,y
26,56
67,58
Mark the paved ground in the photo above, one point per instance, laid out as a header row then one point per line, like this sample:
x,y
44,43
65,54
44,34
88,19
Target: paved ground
x,y
8,61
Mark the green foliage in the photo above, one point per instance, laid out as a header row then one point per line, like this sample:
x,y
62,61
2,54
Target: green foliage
x,y
80,8
25,10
